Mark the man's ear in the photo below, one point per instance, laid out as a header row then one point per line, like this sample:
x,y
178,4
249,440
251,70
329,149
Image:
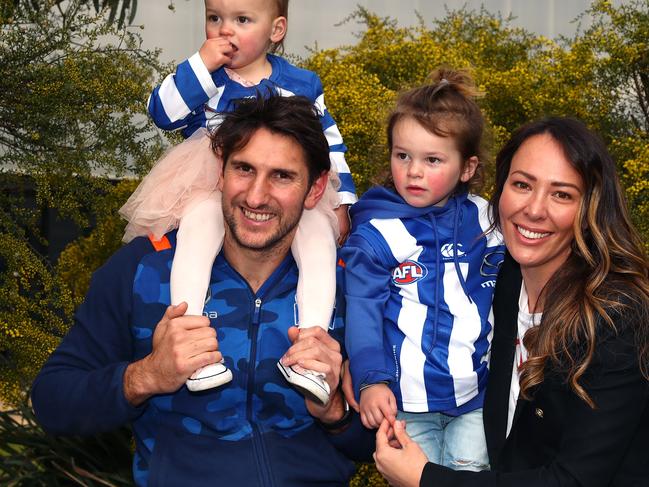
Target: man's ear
x,y
279,30
469,168
317,191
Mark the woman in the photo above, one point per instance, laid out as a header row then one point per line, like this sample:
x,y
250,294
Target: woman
x,y
567,401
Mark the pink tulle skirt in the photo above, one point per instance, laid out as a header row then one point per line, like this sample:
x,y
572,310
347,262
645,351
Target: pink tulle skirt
x,y
184,176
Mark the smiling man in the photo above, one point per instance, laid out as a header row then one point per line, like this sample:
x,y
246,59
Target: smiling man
x,y
263,197
129,353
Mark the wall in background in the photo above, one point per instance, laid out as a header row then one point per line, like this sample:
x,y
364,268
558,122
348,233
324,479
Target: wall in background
x,y
181,32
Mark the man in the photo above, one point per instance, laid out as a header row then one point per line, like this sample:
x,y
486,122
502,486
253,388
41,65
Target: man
x,y
121,363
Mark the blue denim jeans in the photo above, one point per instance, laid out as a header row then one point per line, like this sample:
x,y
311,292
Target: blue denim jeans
x,y
457,442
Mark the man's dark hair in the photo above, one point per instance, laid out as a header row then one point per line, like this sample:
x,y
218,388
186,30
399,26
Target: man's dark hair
x,y
294,116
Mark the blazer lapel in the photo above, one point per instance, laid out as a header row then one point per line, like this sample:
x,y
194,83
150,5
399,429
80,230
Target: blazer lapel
x,y
503,346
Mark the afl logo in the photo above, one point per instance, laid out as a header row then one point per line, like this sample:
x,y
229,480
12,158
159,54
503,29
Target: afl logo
x,y
408,272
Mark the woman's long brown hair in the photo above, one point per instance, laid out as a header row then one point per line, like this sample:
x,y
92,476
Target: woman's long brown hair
x,y
606,273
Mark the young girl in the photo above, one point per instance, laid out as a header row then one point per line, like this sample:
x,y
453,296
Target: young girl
x,y
181,190
420,274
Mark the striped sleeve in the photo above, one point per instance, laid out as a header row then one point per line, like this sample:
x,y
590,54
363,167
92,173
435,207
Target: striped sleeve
x,y
337,148
172,102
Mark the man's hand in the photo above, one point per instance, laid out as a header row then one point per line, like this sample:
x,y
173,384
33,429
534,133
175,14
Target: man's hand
x,y
315,350
344,224
377,404
180,345
215,53
399,459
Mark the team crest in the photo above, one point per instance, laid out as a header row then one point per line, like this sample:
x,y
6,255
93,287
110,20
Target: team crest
x,y
408,272
491,263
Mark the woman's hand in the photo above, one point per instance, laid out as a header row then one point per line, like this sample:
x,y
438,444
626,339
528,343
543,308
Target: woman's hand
x,y
399,459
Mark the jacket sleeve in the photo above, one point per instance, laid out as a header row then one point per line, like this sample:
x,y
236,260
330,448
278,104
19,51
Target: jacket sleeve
x,y
337,148
173,101
357,442
367,291
594,441
79,390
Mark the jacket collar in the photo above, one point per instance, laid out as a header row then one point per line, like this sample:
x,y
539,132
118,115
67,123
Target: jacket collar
x,y
503,346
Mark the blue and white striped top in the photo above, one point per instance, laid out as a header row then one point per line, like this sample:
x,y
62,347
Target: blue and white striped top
x,y
419,285
192,97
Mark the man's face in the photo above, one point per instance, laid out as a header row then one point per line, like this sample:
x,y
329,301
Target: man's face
x,y
265,188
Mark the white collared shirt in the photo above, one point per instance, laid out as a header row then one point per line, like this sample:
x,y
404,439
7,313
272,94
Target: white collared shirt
x,y
526,320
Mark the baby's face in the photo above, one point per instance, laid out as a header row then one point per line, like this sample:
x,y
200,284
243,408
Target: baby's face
x,y
249,25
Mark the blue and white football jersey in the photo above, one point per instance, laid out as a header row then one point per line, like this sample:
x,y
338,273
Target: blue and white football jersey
x,y
419,286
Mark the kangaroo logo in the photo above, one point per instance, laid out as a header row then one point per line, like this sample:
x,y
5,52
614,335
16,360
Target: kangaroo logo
x,y
491,263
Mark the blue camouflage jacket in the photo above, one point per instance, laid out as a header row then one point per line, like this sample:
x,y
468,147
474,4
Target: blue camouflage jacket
x,y
253,431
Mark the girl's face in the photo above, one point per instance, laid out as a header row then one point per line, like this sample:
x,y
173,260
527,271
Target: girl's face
x,y
538,206
249,25
426,167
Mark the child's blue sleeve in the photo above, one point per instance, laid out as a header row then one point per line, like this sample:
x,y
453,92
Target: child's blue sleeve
x,y
367,288
337,148
173,101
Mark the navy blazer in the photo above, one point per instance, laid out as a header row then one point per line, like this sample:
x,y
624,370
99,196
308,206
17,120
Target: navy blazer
x,y
556,438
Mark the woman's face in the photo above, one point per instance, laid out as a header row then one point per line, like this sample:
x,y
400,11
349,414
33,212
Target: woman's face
x,y
538,206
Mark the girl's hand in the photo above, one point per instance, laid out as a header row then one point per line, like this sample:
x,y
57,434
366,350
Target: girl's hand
x,y
215,53
377,404
399,459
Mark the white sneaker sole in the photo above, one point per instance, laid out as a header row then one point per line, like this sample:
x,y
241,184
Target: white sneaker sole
x,y
307,386
210,376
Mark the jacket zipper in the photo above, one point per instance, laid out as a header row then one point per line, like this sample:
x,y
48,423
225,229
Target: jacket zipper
x,y
257,442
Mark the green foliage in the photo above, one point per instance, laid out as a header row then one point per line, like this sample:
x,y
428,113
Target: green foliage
x,y
33,316
72,93
71,88
29,456
619,41
82,257
619,38
122,11
367,476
